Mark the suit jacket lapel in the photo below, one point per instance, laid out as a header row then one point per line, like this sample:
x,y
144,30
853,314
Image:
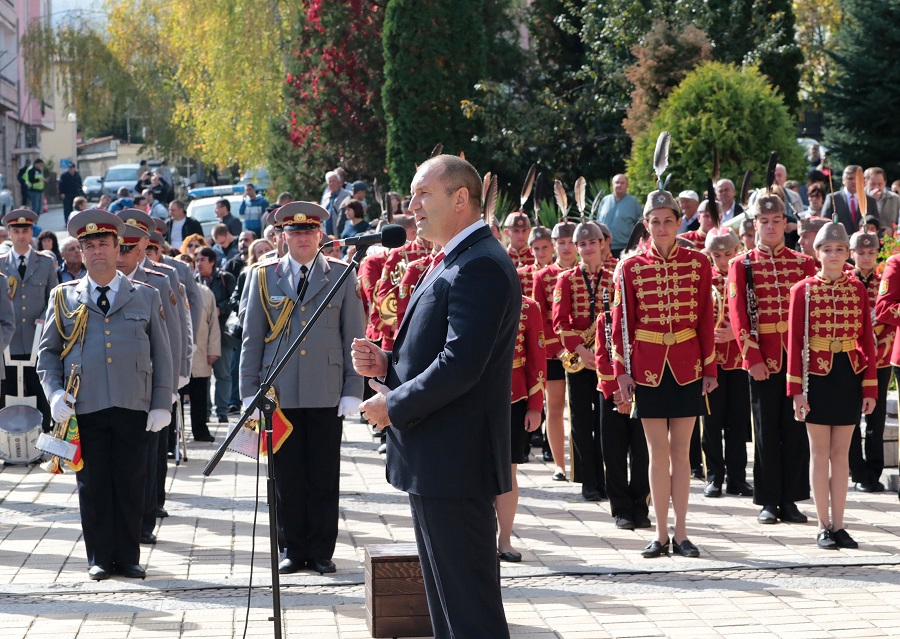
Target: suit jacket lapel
x,y
318,277
84,295
32,265
284,278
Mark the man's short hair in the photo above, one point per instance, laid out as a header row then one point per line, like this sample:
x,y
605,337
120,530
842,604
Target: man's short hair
x,y
406,221
457,173
208,253
138,199
177,203
873,170
724,181
147,193
331,174
850,169
66,242
186,258
123,191
225,203
815,189
284,197
220,230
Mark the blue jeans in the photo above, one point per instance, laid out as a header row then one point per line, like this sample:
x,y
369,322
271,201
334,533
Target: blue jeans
x,y
236,377
222,373
36,201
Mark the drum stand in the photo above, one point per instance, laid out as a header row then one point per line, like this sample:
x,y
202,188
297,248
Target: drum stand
x,y
17,446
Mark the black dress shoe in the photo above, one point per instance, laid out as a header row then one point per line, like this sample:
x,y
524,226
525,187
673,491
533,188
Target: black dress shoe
x,y
161,513
697,473
642,522
548,456
321,567
590,494
791,514
712,490
234,409
685,548
510,556
558,476
99,573
204,438
768,515
288,566
624,523
843,539
741,488
655,549
131,571
148,538
223,419
825,540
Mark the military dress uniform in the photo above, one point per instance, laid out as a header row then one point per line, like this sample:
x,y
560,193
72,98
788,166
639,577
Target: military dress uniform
x,y
729,402
408,282
697,238
576,304
866,472
368,275
7,323
397,261
529,374
309,389
125,366
520,257
30,277
887,312
781,448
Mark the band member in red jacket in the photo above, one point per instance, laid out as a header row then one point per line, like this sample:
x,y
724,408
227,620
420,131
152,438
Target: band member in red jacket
x,y
665,358
831,374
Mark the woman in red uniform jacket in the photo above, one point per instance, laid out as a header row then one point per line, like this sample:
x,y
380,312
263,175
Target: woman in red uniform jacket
x,y
831,374
665,357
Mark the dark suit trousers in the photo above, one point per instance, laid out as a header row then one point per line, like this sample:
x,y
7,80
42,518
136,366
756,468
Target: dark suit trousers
x,y
32,388
781,448
729,407
307,480
868,470
623,440
198,391
111,484
584,415
458,555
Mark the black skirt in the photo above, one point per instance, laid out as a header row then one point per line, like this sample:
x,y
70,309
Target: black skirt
x,y
670,399
835,399
518,434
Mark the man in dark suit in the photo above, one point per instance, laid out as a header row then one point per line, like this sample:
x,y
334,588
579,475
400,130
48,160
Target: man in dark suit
x,y
447,380
846,202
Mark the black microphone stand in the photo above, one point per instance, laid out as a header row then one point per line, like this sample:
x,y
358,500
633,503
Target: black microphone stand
x,y
267,408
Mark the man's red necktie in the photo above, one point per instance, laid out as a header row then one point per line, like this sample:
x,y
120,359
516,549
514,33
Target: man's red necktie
x,y
437,260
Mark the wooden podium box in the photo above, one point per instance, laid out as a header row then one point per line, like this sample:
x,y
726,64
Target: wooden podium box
x,y
395,592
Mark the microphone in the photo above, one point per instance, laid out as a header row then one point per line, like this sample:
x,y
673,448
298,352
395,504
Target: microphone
x,y
391,236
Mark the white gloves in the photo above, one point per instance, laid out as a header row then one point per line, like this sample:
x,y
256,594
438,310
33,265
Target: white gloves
x,y
183,381
157,419
349,406
246,402
60,411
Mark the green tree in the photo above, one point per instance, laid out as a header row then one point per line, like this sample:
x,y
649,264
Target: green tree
x,y
862,127
717,106
818,24
434,54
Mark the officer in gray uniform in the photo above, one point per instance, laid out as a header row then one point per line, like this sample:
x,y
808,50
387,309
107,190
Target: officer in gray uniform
x,y
316,388
186,276
113,330
7,323
31,276
131,255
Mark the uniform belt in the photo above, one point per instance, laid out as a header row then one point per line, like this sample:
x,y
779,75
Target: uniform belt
x,y
772,327
669,338
830,345
519,362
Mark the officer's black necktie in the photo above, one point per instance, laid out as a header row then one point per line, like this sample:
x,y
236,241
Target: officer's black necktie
x,y
301,278
103,301
21,267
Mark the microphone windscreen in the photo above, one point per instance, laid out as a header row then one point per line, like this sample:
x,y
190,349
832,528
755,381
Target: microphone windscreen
x,y
393,236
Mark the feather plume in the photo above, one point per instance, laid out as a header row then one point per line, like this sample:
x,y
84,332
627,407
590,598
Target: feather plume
x,y
526,187
745,188
861,193
490,200
638,233
538,196
711,205
665,186
580,194
661,156
595,205
770,171
462,154
562,200
716,166
437,150
485,184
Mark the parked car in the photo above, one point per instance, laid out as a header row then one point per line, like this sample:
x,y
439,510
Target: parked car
x,y
7,202
259,177
118,176
92,187
219,191
204,210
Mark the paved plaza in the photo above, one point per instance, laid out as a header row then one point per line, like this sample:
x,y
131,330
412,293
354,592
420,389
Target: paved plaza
x,y
580,577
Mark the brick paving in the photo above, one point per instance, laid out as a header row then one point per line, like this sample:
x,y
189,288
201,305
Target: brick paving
x,y
580,576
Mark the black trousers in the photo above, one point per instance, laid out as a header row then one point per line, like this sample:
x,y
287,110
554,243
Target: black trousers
x,y
584,415
198,391
458,555
307,480
624,444
781,448
729,407
111,484
868,470
32,388
148,518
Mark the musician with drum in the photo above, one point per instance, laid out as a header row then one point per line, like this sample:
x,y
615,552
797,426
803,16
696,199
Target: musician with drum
x,y
831,374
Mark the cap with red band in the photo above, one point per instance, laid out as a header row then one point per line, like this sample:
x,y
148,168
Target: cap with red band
x,y
94,222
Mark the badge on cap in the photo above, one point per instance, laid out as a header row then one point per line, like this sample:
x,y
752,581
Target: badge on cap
x,y
660,199
90,228
769,204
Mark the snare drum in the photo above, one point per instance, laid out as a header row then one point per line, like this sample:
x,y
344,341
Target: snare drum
x,y
20,427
